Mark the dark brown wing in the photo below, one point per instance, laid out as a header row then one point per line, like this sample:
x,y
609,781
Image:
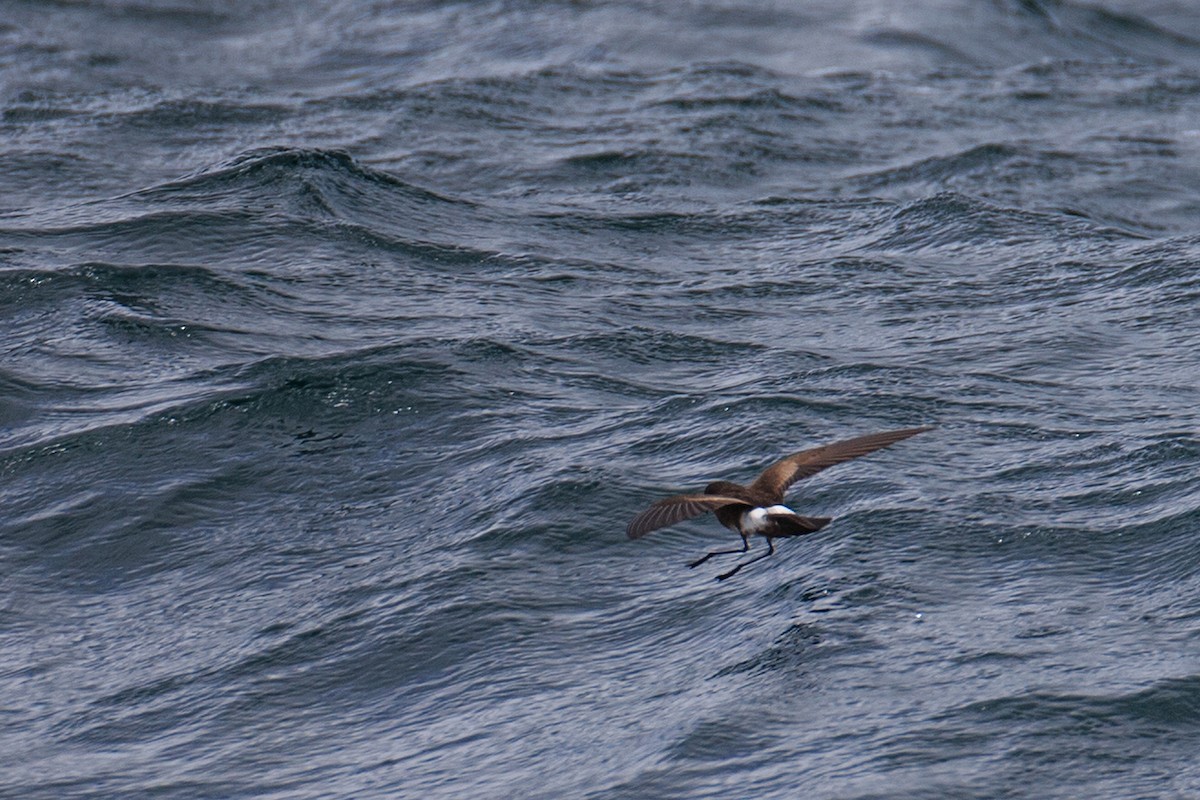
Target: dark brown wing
x,y
776,478
676,509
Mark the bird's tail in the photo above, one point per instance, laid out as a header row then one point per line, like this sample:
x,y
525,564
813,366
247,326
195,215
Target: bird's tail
x,y
797,525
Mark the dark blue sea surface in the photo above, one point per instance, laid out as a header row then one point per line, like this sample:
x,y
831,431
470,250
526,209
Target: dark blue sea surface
x,y
340,341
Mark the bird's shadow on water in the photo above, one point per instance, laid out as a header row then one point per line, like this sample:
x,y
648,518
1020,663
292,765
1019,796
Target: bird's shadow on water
x,y
790,650
794,648
787,653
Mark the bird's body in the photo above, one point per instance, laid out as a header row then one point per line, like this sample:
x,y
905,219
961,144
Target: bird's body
x,y
758,509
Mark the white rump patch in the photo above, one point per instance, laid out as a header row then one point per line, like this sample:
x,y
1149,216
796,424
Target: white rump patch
x,y
756,520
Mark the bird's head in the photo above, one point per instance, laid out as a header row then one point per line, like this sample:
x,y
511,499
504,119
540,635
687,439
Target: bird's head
x,y
720,487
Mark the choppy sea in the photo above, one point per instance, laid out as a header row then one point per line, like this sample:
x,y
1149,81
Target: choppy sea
x,y
339,341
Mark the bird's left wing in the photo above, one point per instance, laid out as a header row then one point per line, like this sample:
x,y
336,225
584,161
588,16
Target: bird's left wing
x,y
676,509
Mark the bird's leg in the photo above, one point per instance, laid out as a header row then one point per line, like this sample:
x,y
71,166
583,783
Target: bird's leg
x,y
744,548
734,571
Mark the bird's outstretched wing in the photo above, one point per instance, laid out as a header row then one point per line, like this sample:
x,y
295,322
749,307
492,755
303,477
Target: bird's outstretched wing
x,y
776,478
677,509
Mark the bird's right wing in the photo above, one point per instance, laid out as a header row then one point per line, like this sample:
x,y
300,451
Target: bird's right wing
x,y
776,478
677,509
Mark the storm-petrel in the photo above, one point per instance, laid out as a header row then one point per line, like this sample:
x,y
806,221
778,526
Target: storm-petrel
x,y
758,508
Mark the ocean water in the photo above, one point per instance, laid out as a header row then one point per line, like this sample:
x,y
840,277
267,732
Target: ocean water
x,y
340,340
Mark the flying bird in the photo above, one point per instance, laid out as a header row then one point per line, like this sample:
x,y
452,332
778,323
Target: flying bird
x,y
758,508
